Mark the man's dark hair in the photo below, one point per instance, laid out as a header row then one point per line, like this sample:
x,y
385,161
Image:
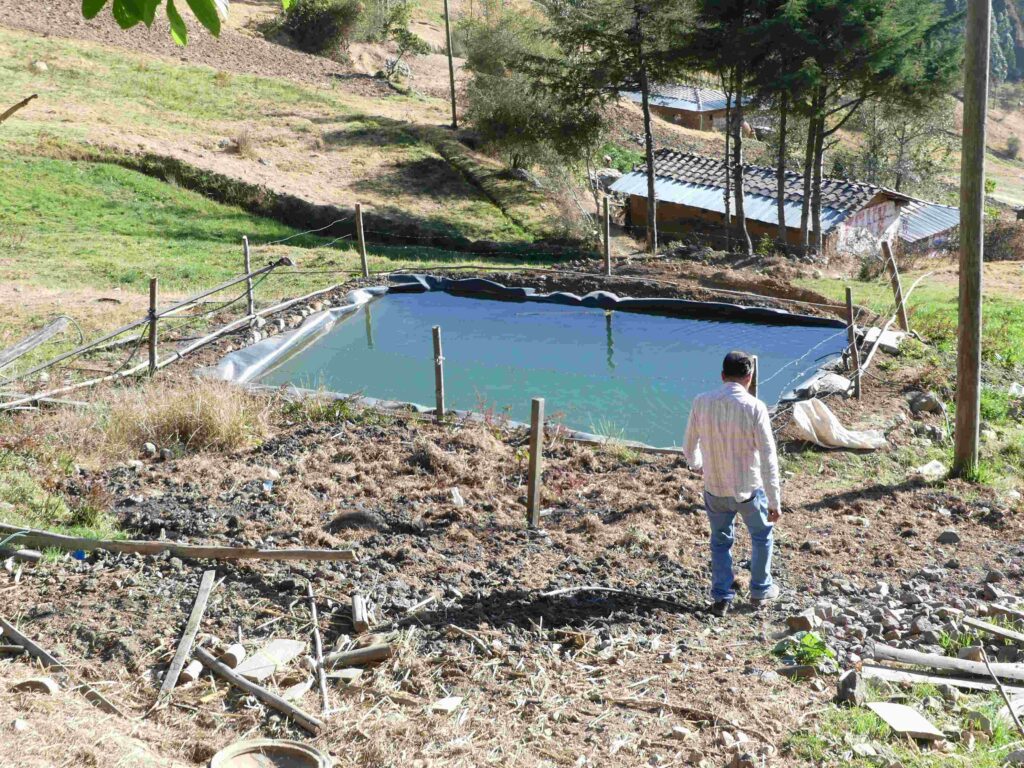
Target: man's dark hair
x,y
737,365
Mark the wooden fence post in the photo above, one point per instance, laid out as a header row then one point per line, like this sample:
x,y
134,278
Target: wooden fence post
x,y
754,378
439,411
851,335
152,325
250,305
607,239
536,462
362,239
897,286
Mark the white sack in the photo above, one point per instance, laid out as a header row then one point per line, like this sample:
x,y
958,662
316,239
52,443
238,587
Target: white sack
x,y
815,422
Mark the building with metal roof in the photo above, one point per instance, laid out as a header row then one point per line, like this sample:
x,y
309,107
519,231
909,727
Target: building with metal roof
x,y
690,190
687,105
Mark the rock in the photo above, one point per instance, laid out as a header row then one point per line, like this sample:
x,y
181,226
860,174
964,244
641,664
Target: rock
x,y
457,499
1015,758
166,454
20,726
930,472
850,689
949,537
681,733
803,622
994,577
446,705
811,546
953,564
978,722
926,402
39,67
864,750
970,653
45,685
742,760
148,449
857,521
798,671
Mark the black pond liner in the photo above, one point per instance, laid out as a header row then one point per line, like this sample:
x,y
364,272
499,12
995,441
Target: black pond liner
x,y
245,366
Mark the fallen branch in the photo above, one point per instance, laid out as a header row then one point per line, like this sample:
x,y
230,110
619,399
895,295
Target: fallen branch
x,y
1013,672
32,341
318,648
913,677
48,660
1002,692
360,656
992,629
272,700
192,551
20,105
188,635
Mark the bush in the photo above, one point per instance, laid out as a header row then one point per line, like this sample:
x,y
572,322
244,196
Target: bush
x,y
1013,147
321,26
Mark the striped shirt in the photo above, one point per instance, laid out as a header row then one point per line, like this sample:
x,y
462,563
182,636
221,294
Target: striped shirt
x,y
729,436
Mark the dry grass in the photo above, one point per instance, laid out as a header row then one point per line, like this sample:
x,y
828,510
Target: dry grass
x,y
194,416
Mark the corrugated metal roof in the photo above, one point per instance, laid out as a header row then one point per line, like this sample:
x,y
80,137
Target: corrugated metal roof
x,y
921,220
708,198
689,98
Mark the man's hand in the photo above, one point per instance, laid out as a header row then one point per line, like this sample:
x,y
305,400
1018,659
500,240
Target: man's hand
x,y
774,515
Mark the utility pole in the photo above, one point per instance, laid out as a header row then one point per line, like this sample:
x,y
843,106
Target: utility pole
x,y
972,237
451,64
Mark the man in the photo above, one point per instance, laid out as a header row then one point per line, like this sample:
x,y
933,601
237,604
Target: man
x,y
729,436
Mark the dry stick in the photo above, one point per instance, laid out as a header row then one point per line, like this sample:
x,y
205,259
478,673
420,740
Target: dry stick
x,y
359,656
48,660
851,334
32,341
878,341
318,649
360,234
755,375
20,105
439,411
188,635
992,629
195,551
272,700
1002,692
536,462
484,648
1014,672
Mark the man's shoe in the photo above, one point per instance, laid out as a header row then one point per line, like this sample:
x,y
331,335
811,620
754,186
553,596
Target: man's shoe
x,y
720,608
771,594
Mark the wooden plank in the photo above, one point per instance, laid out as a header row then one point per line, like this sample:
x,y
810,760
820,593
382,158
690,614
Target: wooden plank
x,y
905,720
32,341
1013,672
267,659
38,652
188,635
533,495
272,700
371,654
992,629
439,409
47,539
913,677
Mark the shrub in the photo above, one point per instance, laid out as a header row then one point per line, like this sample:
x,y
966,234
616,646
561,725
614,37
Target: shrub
x,y
1013,147
321,26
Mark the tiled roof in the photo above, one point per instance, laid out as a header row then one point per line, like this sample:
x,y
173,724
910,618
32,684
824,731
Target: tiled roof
x,y
838,194
686,97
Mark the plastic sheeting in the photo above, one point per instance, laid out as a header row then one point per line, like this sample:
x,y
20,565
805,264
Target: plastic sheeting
x,y
816,423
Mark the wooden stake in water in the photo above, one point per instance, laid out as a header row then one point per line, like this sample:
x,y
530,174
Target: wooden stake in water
x,y
607,239
152,325
362,239
851,337
438,375
755,374
897,286
250,306
536,462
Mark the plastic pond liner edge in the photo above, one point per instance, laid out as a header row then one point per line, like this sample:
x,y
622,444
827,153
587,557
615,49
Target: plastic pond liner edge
x,y
245,366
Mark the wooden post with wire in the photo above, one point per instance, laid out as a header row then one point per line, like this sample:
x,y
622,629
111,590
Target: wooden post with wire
x,y
972,238
897,286
536,462
152,325
362,239
438,375
607,239
250,305
851,336
755,375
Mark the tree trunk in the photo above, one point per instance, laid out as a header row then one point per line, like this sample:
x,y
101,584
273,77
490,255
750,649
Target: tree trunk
x,y
727,194
805,205
819,161
652,205
737,168
780,171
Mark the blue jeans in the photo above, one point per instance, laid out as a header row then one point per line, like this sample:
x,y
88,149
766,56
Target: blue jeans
x,y
722,511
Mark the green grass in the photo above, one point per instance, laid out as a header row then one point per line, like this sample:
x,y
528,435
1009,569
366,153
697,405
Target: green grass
x,y
829,742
